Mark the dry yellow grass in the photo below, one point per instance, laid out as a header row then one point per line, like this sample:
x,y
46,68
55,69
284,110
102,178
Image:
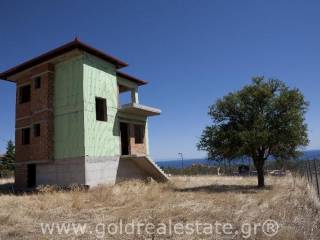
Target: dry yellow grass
x,y
233,200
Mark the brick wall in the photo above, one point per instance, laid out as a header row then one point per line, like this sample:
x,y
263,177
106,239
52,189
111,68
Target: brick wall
x,y
20,176
39,110
136,148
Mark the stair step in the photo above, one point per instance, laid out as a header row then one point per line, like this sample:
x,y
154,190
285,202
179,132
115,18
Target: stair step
x,y
157,173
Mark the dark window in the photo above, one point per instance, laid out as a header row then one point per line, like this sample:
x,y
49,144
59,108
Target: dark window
x,y
24,94
138,133
101,109
31,175
36,130
37,82
25,136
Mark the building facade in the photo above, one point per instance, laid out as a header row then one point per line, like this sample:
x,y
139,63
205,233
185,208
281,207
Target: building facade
x,y
70,125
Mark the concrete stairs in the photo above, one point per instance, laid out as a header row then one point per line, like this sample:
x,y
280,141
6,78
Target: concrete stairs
x,y
149,166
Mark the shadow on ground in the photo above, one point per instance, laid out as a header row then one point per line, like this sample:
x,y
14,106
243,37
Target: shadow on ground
x,y
6,188
225,189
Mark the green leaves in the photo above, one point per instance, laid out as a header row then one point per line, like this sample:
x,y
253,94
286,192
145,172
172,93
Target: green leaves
x,y
7,163
265,118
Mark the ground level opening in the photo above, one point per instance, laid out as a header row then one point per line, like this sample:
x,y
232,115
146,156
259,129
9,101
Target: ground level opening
x,y
31,175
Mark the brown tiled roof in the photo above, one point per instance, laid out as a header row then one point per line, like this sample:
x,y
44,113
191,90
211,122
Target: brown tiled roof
x,y
131,78
75,44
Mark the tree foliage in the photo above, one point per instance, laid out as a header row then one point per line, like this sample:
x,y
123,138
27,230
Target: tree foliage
x,y
7,163
263,119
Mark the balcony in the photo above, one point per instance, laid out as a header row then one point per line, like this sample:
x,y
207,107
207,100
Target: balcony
x,y
138,109
133,107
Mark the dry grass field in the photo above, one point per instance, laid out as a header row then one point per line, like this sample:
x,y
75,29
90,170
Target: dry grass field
x,y
212,199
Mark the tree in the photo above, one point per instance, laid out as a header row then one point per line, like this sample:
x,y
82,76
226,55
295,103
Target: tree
x,y
9,157
263,119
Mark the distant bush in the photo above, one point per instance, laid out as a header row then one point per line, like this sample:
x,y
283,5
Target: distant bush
x,y
196,169
233,169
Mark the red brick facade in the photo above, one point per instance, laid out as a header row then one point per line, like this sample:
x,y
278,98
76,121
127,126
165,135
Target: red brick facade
x,y
39,110
21,176
136,148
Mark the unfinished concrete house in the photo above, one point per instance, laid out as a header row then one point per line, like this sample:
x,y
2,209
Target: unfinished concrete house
x,y
70,127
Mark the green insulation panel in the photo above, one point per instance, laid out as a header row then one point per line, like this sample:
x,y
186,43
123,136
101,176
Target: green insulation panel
x,y
77,132
100,81
68,109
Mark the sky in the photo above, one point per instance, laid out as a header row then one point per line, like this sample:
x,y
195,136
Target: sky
x,y
192,52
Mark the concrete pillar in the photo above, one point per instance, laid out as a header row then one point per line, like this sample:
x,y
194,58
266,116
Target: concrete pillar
x,y
134,95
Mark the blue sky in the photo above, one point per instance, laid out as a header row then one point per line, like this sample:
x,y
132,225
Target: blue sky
x,y
191,52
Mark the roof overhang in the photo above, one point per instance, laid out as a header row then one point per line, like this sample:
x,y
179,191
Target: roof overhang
x,y
138,81
138,109
76,44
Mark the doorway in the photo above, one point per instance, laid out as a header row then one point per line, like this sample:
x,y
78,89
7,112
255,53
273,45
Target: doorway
x,y
124,133
31,175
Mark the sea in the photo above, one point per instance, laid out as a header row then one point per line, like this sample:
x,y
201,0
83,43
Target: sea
x,y
178,163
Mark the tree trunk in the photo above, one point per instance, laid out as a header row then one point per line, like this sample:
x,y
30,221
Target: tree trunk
x,y
260,178
259,163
